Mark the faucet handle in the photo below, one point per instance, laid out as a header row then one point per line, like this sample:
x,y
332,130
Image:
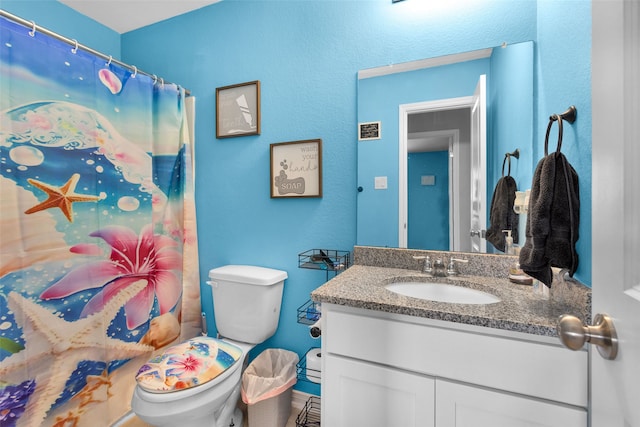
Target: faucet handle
x,y
451,269
427,263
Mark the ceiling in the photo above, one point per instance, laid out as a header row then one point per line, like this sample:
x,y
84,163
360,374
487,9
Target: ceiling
x,y
133,14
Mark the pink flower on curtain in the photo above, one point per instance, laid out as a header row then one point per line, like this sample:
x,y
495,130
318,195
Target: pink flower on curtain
x,y
149,256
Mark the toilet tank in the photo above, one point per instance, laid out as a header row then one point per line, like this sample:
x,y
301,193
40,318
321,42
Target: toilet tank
x,y
246,301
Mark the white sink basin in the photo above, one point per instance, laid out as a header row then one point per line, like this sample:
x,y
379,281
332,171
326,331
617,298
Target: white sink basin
x,y
442,292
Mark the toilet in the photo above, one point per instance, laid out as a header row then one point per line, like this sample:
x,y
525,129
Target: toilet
x,y
197,383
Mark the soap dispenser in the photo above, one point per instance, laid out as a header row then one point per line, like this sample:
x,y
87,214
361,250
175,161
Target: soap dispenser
x,y
508,243
516,275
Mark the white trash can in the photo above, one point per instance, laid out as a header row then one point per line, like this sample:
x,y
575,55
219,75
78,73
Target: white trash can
x,y
267,385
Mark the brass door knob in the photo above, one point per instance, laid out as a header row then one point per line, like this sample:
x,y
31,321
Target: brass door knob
x,y
573,334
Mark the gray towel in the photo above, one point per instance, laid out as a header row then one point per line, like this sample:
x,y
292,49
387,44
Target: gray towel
x,y
553,219
501,214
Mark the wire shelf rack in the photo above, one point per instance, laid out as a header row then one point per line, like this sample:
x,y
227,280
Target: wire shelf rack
x,y
310,414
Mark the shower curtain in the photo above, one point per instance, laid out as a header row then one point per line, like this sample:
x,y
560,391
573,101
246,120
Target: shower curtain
x,y
98,251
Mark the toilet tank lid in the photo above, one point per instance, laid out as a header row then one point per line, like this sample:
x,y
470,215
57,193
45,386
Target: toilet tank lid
x,y
250,274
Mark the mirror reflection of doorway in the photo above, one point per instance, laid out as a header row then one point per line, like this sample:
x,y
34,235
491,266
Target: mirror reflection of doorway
x,y
437,160
435,173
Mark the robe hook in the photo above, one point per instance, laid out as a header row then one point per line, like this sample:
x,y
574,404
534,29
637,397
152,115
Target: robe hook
x,y
75,49
569,115
32,33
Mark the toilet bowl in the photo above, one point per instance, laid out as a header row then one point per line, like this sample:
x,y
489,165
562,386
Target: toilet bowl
x,y
203,387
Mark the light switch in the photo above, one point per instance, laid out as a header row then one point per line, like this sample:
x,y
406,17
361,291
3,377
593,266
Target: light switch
x,y
428,180
380,183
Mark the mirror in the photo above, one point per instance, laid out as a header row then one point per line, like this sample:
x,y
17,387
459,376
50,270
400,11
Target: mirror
x,y
415,156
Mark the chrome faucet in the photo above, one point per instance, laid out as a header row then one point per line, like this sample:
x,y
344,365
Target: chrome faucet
x,y
451,269
427,263
438,268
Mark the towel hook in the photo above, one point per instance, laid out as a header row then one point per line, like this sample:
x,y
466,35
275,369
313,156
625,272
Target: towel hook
x,y
552,119
32,33
507,156
516,154
569,115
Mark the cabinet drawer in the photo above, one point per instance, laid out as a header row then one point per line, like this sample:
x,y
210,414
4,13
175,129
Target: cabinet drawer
x,y
531,368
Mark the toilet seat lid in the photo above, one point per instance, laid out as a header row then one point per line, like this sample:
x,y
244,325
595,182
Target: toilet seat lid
x,y
188,364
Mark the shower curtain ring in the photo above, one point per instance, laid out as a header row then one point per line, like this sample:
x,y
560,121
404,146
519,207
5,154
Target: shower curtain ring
x,y
135,72
155,79
32,33
75,49
110,59
161,82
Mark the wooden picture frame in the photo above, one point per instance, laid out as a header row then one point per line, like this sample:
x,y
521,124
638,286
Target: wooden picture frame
x,y
238,110
296,169
369,130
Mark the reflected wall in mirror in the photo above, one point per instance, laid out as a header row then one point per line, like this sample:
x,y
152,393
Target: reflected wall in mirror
x,y
425,147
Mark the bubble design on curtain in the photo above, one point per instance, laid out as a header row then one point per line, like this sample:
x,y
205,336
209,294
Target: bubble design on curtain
x,y
91,226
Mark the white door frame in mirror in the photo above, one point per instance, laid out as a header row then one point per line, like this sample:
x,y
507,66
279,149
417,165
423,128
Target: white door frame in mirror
x,y
405,110
478,211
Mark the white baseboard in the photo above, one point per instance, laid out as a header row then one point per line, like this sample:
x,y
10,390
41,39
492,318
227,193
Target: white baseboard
x,y
299,398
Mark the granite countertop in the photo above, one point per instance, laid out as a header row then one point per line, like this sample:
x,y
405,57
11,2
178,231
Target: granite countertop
x,y
519,309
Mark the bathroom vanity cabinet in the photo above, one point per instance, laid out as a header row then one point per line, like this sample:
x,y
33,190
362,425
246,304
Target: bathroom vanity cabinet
x,y
383,369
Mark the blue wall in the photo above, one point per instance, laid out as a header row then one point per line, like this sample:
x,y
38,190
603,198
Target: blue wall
x,y
563,70
510,118
428,205
306,55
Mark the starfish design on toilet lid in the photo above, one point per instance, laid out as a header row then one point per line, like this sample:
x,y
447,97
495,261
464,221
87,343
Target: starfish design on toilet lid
x,y
188,364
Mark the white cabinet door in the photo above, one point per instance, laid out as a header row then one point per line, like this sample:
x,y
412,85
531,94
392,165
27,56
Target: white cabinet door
x,y
460,405
356,393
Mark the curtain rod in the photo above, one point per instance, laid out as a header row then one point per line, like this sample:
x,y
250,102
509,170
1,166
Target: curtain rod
x,y
72,42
